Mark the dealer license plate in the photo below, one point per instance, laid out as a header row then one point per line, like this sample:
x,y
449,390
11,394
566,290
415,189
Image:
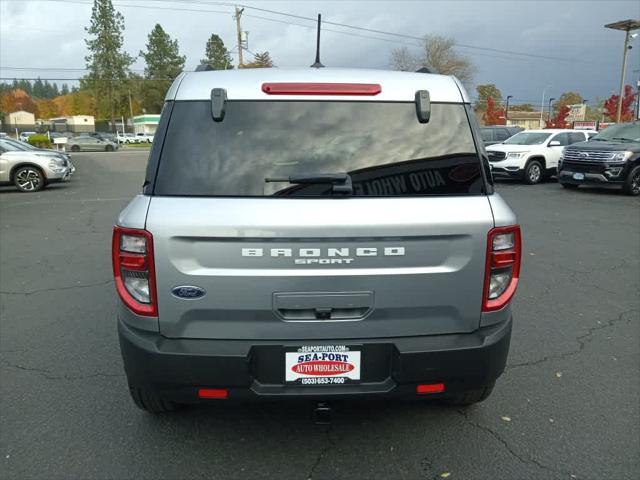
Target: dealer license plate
x,y
322,365
578,176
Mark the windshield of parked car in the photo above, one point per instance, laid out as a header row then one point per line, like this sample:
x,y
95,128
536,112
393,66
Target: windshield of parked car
x,y
382,146
625,132
527,138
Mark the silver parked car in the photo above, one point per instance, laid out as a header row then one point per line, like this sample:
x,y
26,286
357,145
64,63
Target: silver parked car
x,y
89,143
315,233
30,170
28,147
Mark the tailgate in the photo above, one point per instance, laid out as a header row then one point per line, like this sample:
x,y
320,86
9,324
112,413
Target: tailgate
x,y
319,268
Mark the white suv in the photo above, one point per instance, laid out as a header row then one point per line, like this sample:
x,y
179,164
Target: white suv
x,y
533,154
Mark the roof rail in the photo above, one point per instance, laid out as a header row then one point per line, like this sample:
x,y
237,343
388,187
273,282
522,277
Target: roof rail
x,y
204,67
424,70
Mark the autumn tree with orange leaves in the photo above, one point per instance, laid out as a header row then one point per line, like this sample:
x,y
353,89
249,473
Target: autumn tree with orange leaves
x,y
492,116
18,99
560,120
611,105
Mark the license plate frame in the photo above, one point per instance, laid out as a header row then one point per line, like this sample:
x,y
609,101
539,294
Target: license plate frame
x,y
323,365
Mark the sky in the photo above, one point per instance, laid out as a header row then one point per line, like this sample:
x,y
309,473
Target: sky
x,y
524,47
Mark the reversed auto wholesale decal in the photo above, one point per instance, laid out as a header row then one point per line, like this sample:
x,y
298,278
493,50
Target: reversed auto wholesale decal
x,y
188,292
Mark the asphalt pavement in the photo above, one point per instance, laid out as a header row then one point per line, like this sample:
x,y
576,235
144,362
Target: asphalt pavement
x,y
567,407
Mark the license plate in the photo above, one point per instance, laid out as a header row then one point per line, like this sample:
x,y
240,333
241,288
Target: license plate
x,y
322,365
578,176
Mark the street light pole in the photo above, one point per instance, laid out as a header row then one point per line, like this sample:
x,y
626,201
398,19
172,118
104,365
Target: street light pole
x,y
506,110
622,74
550,100
627,26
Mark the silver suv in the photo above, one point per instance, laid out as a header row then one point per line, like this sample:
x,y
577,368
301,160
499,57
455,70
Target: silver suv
x,y
31,169
315,233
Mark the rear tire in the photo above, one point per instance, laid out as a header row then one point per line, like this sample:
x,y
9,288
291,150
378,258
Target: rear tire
x,y
150,401
108,148
570,186
75,148
533,172
470,397
632,183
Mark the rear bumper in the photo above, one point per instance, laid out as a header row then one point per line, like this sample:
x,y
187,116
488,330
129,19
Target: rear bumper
x,y
254,370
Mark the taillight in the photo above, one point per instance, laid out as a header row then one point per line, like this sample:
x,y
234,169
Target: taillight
x,y
503,267
133,270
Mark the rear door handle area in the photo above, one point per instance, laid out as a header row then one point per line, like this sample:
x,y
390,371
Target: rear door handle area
x,y
322,306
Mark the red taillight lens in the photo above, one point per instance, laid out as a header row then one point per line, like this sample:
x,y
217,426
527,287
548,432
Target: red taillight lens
x,y
133,270
213,393
321,88
502,270
430,388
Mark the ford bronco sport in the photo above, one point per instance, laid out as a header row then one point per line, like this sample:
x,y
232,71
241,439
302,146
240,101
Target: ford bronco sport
x,y
319,234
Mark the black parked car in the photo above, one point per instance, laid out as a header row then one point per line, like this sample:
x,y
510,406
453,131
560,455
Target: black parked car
x,y
498,133
611,158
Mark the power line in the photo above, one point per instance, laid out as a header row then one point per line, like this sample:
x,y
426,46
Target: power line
x,y
343,25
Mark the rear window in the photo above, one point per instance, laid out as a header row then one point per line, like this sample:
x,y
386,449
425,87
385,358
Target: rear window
x,y
381,146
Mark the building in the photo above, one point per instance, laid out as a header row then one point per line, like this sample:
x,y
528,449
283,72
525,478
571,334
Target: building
x,y
74,123
23,121
147,123
526,120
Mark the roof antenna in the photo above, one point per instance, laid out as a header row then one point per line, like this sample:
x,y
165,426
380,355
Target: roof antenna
x,y
317,63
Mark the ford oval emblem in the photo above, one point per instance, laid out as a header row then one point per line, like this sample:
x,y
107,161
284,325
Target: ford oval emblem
x,y
188,292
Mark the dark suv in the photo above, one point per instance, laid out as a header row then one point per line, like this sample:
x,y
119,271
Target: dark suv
x,y
497,134
611,158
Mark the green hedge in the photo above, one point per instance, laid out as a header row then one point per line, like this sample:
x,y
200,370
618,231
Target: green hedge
x,y
40,141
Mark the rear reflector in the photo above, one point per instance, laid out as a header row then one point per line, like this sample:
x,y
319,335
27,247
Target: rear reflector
x,y
213,393
321,88
430,388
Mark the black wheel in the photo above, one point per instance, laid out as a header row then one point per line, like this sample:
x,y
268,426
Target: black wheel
x,y
75,148
150,401
632,183
28,179
570,186
533,172
108,148
470,397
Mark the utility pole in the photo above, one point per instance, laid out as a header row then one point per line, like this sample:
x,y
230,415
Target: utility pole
x,y
627,26
550,100
239,30
130,108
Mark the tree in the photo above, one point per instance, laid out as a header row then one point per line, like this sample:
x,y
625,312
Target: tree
x,y
560,120
492,116
523,107
64,90
17,99
47,108
216,54
611,105
107,62
568,98
261,60
484,93
164,63
438,55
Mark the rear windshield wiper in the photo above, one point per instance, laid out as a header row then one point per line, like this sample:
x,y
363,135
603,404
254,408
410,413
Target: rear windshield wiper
x,y
341,182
